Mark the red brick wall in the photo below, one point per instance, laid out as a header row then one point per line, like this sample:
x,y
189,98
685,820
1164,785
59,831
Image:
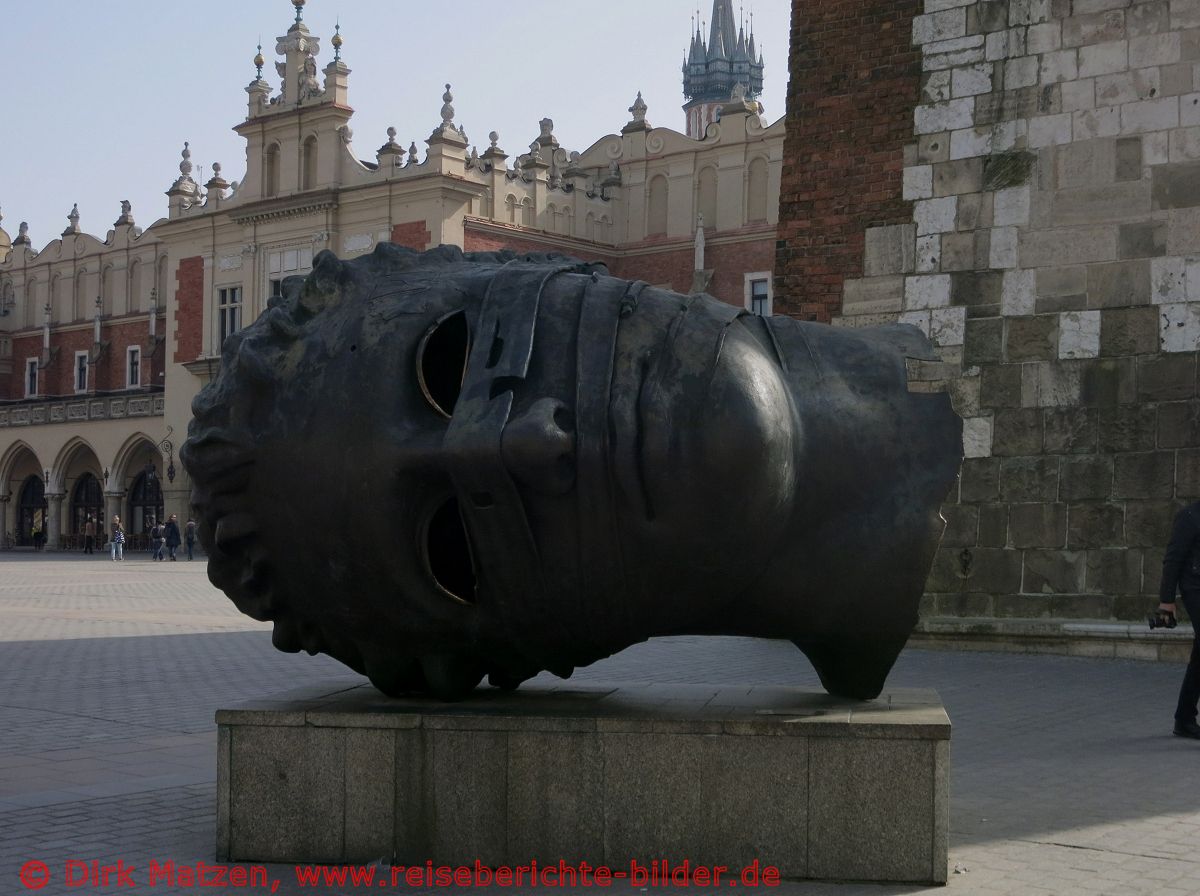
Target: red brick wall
x,y
475,240
189,309
413,234
670,265
729,261
854,81
58,378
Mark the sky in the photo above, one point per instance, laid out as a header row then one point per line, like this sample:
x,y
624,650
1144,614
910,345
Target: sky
x,y
99,97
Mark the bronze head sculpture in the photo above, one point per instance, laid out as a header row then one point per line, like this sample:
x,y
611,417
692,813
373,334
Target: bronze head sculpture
x,y
441,466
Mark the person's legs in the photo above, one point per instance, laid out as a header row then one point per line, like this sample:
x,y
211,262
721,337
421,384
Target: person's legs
x,y
113,546
189,547
1189,691
121,550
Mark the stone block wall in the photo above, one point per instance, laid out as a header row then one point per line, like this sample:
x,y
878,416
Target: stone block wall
x,y
1053,253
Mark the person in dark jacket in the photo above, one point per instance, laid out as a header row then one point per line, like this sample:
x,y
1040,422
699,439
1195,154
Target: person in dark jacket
x,y
1181,572
173,539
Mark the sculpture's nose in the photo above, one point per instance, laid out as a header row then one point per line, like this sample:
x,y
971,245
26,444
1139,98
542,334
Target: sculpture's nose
x,y
538,447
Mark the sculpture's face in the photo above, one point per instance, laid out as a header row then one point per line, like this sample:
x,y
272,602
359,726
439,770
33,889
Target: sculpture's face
x,y
452,495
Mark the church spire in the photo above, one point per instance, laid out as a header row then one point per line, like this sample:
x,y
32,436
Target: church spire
x,y
713,72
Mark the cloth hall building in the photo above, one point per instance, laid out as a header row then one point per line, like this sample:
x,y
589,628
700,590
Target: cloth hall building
x,y
105,341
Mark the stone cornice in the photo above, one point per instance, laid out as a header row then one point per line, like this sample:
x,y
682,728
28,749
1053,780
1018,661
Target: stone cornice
x,y
289,207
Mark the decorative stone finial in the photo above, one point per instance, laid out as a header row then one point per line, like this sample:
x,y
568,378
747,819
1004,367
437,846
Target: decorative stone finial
x,y
494,153
126,214
638,109
412,153
391,148
185,167
336,40
217,185
259,62
447,109
22,234
299,4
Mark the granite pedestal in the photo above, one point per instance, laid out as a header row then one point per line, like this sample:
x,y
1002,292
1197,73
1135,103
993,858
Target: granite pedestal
x,y
816,786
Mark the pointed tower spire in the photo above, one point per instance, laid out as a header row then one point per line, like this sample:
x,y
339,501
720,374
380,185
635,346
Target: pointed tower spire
x,y
722,37
729,59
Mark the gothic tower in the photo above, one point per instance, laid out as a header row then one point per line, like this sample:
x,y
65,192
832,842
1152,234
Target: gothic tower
x,y
713,71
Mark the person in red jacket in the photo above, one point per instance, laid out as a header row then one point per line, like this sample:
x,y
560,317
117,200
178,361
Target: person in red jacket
x,y
1181,572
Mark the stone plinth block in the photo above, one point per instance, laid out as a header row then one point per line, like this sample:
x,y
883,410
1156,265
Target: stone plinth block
x,y
815,786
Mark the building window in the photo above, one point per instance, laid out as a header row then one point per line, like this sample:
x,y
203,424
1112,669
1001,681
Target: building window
x,y
758,293
229,312
81,370
31,377
133,367
286,263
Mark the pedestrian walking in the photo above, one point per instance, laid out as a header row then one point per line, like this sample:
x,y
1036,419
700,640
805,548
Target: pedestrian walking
x,y
190,536
157,538
172,535
1181,572
89,536
118,539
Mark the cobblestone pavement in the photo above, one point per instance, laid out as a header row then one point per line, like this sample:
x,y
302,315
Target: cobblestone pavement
x,y
1065,779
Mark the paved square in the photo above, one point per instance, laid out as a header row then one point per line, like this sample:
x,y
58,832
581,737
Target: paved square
x,y
1065,779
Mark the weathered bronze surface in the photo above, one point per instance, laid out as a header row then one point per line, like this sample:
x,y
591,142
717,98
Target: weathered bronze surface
x,y
436,466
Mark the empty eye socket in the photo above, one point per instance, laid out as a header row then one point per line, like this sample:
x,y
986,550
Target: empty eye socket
x,y
442,362
448,552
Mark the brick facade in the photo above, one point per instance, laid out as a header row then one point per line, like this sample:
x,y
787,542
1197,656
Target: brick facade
x,y
855,78
189,309
57,379
659,262
674,267
491,239
413,234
